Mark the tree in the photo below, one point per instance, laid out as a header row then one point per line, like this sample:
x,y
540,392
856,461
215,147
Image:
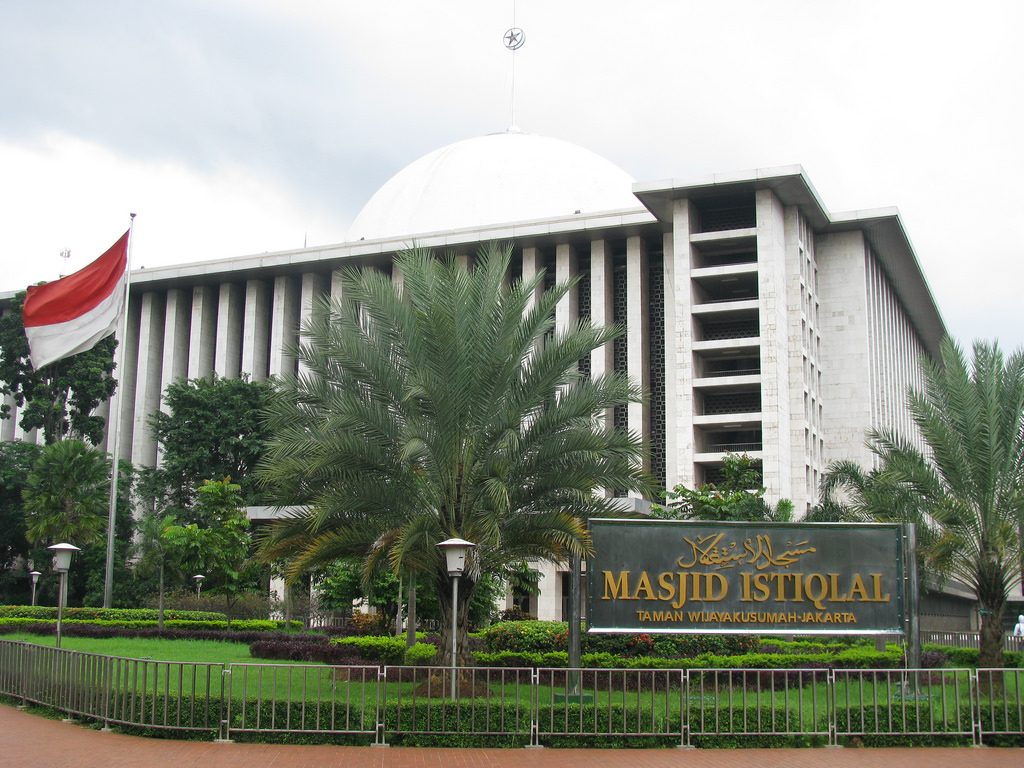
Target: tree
x,y
739,497
16,460
965,492
213,428
67,494
218,545
153,553
450,407
59,398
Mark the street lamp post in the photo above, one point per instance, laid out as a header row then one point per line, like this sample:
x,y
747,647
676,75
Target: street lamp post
x,y
35,580
62,554
198,579
455,551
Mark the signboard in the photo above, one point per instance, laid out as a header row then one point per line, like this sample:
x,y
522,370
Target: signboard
x,y
764,578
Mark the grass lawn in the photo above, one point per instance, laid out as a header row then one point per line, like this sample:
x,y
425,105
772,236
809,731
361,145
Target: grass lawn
x,y
201,651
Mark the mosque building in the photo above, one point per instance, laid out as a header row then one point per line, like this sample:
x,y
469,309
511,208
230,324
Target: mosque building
x,y
757,321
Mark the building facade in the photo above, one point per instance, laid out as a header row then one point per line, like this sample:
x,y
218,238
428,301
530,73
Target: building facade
x,y
756,320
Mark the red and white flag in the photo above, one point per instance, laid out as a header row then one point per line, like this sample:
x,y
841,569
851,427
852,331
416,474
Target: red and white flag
x,y
72,314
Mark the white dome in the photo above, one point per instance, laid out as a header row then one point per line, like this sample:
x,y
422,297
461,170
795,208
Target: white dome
x,y
495,179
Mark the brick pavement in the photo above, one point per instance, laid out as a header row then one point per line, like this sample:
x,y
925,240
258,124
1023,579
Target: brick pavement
x,y
31,741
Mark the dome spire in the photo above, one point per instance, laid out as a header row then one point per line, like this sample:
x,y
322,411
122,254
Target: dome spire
x,y
513,38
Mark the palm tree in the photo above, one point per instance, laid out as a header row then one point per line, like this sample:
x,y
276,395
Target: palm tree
x,y
966,493
448,408
67,493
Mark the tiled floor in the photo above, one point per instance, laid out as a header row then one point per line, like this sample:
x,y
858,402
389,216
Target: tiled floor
x,y
31,741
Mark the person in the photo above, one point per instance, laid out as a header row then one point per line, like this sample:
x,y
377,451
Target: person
x,y
1018,631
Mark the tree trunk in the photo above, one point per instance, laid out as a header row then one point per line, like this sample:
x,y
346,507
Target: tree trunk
x,y
466,587
990,653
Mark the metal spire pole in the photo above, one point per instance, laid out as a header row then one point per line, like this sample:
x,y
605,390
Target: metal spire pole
x,y
114,427
514,38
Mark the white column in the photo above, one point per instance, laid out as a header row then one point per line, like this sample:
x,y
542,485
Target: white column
x,y
679,371
202,341
602,312
636,335
148,378
127,383
549,598
256,330
228,356
532,265
8,425
567,311
775,343
397,279
177,317
284,326
313,288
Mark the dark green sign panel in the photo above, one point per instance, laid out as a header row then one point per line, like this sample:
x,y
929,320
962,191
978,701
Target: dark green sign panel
x,y
775,578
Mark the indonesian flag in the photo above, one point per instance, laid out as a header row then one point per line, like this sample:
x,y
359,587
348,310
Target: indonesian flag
x,y
72,314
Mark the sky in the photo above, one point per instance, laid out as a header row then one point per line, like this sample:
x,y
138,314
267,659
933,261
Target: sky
x,y
241,127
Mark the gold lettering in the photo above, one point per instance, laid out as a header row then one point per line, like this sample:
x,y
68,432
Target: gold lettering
x,y
816,594
876,580
619,588
857,589
666,584
761,585
644,585
709,586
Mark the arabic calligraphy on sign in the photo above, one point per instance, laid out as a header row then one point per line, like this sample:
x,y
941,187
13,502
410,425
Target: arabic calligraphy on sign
x,y
715,551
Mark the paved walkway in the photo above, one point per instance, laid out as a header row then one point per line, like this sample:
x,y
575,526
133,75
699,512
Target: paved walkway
x,y
30,741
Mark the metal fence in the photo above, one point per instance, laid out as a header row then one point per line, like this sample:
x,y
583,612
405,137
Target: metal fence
x,y
520,706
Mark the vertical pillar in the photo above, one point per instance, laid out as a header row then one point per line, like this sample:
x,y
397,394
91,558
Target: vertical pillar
x,y
532,265
148,378
313,288
775,343
177,316
284,326
256,330
128,383
202,332
228,350
397,279
567,311
636,335
679,358
602,312
7,426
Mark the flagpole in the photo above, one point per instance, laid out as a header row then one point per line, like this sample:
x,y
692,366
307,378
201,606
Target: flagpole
x,y
114,426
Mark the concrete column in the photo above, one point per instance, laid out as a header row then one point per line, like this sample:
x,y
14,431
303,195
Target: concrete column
x,y
602,312
128,382
284,326
463,260
313,288
397,279
337,286
639,414
202,337
230,308
775,346
148,378
567,311
177,319
679,373
8,425
532,265
549,599
256,330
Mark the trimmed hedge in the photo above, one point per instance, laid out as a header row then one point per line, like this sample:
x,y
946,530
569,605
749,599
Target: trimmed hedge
x,y
238,625
851,658
968,657
105,614
85,629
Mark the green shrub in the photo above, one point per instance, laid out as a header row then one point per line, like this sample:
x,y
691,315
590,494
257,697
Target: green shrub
x,y
420,654
382,649
239,625
526,636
